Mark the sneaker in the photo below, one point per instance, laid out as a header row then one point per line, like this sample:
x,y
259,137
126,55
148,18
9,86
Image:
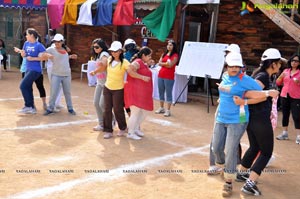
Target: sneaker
x,y
214,170
48,112
282,136
45,106
133,136
107,135
72,112
98,128
121,133
227,190
167,113
27,110
139,133
241,177
251,190
298,139
160,110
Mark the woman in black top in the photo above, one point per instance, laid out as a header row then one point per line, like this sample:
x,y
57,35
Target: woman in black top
x,y
259,130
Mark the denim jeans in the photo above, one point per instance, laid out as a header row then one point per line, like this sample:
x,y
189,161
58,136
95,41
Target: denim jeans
x,y
56,83
165,85
26,87
99,102
227,137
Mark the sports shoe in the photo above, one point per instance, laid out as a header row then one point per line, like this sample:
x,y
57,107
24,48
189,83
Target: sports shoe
x,y
98,128
167,113
298,139
241,177
160,110
139,133
133,136
27,110
72,112
282,136
251,190
107,135
227,190
48,112
214,170
121,133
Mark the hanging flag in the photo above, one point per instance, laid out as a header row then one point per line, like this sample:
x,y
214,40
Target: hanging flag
x,y
123,14
104,13
70,11
55,12
161,20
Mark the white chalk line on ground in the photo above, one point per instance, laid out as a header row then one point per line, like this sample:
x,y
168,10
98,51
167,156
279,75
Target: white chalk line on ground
x,y
113,174
46,126
21,98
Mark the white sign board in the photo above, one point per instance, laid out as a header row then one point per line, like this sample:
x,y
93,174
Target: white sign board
x,y
200,59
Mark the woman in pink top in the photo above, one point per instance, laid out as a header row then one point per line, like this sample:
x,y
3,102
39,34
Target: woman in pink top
x,y
166,76
139,79
290,96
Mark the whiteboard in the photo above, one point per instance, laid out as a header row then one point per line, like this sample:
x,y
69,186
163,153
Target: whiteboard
x,y
201,58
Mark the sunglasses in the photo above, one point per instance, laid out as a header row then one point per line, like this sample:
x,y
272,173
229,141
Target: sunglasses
x,y
57,41
96,47
294,60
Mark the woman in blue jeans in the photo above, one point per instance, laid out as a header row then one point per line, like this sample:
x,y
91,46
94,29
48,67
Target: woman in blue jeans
x,y
166,77
61,74
32,51
231,120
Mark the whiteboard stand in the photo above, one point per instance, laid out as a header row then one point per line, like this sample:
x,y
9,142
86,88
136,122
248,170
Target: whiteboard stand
x,y
208,91
187,83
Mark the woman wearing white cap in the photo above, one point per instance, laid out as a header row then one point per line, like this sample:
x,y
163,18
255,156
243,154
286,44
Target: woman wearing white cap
x,y
231,120
61,74
259,129
113,90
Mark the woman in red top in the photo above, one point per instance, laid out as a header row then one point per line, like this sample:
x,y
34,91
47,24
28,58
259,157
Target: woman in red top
x,y
138,92
290,97
166,75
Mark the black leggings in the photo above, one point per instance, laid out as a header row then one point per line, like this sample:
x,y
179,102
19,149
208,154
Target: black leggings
x,y
4,61
39,85
288,105
261,138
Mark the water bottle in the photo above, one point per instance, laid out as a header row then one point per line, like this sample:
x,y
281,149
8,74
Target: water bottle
x,y
242,114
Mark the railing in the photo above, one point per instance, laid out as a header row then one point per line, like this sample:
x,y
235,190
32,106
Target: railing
x,y
294,11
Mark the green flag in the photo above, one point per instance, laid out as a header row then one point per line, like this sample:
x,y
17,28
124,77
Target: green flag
x,y
161,20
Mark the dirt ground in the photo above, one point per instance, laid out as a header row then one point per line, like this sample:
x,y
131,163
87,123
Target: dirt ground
x,y
61,157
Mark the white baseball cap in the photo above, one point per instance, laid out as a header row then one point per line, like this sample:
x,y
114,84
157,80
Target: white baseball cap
x,y
272,53
116,45
234,59
129,41
233,48
58,37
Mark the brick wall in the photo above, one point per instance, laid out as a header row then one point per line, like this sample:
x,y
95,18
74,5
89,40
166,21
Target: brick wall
x,y
254,32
